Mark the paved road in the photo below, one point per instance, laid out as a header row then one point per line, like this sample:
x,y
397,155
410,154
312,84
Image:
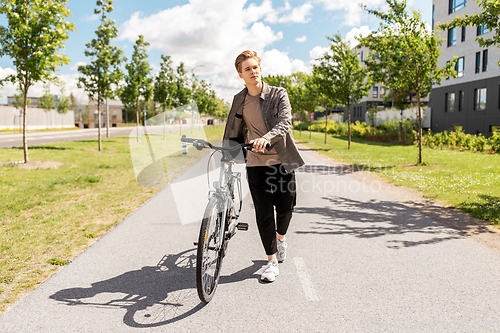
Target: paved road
x,y
358,261
16,140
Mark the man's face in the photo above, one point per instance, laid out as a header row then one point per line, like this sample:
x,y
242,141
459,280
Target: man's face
x,y
250,72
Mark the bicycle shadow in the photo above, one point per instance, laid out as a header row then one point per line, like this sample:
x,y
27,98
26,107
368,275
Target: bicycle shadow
x,y
154,295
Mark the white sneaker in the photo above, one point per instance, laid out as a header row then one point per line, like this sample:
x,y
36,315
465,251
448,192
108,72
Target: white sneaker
x,y
281,254
270,271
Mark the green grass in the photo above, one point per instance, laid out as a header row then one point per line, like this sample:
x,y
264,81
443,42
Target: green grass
x,y
466,180
49,216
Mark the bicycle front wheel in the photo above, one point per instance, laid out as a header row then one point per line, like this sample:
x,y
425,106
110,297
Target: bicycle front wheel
x,y
210,247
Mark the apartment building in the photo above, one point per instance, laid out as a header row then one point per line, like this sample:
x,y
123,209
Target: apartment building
x,y
472,99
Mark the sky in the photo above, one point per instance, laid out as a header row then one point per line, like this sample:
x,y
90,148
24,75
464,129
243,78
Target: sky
x,y
207,35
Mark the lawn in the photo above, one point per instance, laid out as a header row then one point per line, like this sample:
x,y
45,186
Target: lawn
x,y
462,179
49,216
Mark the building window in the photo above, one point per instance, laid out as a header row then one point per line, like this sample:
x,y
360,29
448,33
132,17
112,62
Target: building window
x,y
478,62
485,60
482,30
452,37
375,92
459,66
456,5
480,99
494,129
463,34
450,102
461,100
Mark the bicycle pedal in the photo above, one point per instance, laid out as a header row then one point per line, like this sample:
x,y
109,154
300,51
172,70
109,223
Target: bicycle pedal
x,y
242,226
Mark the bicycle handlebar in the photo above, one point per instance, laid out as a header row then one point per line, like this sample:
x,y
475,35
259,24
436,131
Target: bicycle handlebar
x,y
200,144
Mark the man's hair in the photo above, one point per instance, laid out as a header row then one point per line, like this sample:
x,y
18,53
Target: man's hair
x,y
244,56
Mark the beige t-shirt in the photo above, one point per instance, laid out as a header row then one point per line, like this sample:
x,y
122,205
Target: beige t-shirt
x,y
252,115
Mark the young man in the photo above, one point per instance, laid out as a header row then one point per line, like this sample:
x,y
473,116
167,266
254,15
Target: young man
x,y
261,115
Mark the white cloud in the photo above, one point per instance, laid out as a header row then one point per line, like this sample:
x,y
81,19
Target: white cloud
x,y
301,39
75,66
289,14
354,15
350,36
215,33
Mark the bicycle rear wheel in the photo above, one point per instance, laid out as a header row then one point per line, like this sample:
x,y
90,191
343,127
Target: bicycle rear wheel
x,y
210,248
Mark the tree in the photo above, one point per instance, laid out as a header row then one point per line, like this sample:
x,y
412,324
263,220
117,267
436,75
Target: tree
x,y
101,76
18,103
183,91
138,82
64,102
165,87
303,96
341,78
46,102
489,18
35,31
413,50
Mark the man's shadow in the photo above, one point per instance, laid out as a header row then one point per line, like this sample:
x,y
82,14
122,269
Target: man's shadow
x,y
154,295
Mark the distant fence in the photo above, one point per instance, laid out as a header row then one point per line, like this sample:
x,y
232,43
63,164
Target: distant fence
x,y
10,118
384,116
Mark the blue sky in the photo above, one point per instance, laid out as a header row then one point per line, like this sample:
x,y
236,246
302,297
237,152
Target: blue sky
x,y
207,35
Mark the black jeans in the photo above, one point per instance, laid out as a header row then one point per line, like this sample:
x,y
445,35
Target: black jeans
x,y
271,186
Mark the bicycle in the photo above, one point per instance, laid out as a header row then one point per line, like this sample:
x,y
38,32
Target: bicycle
x,y
219,223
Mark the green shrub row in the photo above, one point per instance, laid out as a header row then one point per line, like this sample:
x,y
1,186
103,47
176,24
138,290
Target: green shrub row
x,y
461,140
388,131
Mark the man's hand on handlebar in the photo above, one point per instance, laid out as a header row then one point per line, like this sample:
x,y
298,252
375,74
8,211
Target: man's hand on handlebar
x,y
260,144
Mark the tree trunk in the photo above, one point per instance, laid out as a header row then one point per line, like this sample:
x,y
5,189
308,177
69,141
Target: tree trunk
x,y
25,139
420,160
348,126
400,126
326,124
137,116
99,123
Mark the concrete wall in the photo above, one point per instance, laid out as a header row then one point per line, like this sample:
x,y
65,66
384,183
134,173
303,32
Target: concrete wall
x,y
384,116
36,119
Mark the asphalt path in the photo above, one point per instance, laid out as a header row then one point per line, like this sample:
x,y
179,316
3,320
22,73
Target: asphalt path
x,y
39,138
358,261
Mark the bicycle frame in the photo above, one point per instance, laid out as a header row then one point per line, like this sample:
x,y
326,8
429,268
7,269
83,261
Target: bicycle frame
x,y
224,190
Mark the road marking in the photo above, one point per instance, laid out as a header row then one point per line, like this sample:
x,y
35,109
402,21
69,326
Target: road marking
x,y
305,280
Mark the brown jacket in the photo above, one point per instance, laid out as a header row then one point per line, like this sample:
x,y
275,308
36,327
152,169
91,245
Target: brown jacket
x,y
277,115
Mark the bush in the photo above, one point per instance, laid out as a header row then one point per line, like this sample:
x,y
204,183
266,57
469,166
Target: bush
x,y
480,143
495,142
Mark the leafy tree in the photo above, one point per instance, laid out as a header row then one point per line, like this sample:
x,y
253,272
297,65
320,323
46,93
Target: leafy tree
x,y
101,76
32,37
304,96
278,81
64,102
138,82
183,91
165,87
341,78
409,50
46,102
489,18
